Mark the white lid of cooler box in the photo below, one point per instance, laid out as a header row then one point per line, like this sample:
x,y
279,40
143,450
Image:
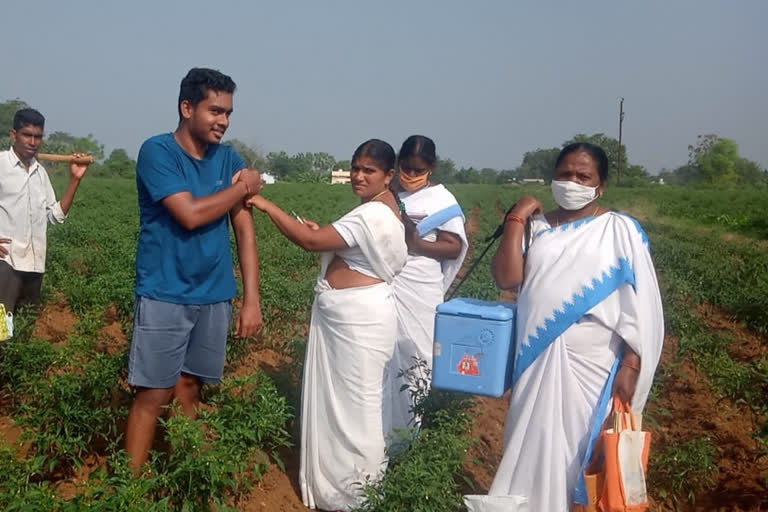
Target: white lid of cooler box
x,y
476,308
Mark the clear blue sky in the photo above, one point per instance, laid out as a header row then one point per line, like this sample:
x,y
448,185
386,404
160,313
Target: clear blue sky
x,y
488,80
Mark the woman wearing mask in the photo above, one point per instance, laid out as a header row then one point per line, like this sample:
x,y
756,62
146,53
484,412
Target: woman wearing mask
x,y
589,327
351,334
437,244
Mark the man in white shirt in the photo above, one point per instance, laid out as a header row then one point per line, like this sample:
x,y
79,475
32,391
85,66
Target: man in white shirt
x,y
27,204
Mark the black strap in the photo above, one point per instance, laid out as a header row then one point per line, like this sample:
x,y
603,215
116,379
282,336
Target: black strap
x,y
491,239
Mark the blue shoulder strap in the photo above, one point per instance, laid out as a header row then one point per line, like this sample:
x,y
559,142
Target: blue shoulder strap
x,y
437,219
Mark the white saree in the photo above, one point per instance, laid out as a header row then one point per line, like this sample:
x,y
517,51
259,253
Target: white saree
x,y
589,286
351,340
419,288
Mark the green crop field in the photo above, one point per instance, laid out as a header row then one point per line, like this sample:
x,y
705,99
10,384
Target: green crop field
x,y
64,399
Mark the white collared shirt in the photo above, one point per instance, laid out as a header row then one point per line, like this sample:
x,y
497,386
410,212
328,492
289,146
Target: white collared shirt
x,y
27,204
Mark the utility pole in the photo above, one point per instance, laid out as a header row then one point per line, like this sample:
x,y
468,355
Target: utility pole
x,y
621,121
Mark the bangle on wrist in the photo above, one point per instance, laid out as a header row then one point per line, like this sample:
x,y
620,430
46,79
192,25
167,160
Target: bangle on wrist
x,y
515,218
631,365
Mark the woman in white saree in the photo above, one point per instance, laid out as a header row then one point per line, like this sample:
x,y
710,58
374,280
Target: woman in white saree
x,y
351,335
437,244
590,327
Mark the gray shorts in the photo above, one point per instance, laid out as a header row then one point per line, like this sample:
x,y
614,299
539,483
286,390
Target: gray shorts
x,y
169,339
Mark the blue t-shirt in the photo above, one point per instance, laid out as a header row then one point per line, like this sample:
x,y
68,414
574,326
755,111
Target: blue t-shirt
x,y
174,264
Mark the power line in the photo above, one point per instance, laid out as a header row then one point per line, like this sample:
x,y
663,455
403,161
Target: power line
x,y
621,121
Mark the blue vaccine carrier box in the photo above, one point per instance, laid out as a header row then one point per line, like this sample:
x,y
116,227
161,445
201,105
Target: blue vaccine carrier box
x,y
474,346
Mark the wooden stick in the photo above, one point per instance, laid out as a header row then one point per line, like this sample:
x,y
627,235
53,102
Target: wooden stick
x,y
49,157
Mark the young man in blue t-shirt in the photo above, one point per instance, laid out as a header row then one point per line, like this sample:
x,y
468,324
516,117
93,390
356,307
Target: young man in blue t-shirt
x,y
189,185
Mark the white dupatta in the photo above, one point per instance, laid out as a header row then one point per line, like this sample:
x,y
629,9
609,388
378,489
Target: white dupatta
x,y
435,208
373,229
601,266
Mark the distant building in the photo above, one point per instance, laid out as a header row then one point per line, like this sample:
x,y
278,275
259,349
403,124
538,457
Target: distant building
x,y
526,181
268,178
340,176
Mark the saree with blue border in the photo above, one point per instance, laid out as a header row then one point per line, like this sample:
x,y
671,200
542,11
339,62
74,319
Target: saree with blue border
x,y
590,289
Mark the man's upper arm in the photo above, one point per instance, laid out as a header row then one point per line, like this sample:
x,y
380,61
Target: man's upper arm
x,y
159,172
241,218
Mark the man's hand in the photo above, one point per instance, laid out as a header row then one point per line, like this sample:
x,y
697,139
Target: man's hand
x,y
251,178
77,171
249,320
3,250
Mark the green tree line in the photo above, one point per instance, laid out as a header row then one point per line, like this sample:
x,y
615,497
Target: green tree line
x,y
713,161
117,164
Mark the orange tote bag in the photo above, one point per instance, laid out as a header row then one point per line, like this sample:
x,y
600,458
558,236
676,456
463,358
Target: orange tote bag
x,y
625,448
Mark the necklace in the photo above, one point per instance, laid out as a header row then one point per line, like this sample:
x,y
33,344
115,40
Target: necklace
x,y
557,215
378,195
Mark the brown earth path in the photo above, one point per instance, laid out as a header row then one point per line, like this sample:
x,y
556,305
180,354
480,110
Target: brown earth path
x,y
278,490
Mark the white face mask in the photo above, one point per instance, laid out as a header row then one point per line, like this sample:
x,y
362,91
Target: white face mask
x,y
572,196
